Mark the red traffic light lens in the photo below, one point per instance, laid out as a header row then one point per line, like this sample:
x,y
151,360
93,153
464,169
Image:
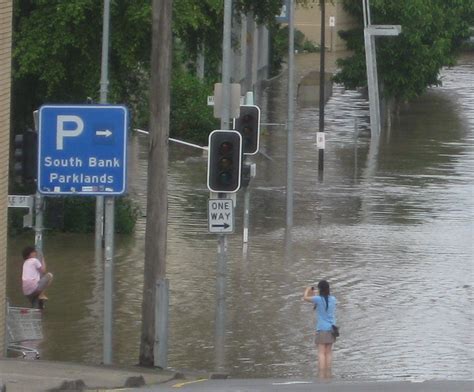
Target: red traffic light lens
x,y
225,148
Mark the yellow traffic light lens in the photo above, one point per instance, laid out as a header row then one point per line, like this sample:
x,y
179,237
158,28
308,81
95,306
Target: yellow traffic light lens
x,y
225,163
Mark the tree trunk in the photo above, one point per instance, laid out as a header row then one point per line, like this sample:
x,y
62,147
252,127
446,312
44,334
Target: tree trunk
x,y
157,193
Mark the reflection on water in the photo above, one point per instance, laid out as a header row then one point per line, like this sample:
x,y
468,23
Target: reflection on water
x,y
390,228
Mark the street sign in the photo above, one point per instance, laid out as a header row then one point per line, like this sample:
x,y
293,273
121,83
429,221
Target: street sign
x,y
332,21
221,216
320,140
284,16
21,201
82,149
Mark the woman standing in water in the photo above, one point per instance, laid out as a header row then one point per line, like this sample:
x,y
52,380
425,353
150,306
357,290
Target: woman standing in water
x,y
325,306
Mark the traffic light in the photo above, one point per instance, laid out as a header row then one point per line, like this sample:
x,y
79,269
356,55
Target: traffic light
x,y
25,156
30,139
18,157
248,125
224,163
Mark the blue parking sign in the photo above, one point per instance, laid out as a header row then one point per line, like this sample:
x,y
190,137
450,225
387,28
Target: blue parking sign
x,y
82,149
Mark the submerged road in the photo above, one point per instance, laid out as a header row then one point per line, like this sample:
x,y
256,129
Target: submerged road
x,y
287,385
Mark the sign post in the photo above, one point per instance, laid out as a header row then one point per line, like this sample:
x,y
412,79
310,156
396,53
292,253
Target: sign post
x,y
82,150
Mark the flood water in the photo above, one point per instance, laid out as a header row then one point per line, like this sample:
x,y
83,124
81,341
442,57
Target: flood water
x,y
391,228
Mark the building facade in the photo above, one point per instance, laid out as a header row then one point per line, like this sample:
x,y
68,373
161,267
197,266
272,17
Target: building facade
x,y
6,7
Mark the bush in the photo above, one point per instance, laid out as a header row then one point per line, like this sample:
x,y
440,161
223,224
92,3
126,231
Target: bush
x,y
191,119
77,215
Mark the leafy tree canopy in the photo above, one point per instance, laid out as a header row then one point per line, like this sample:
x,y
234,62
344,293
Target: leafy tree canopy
x,y
57,48
432,32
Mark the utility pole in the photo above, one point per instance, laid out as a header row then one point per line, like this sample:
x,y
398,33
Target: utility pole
x,y
157,193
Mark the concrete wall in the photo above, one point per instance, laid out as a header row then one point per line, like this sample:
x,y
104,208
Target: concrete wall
x,y
308,21
5,95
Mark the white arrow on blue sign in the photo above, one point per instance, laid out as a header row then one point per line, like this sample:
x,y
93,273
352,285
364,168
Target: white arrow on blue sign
x,y
82,149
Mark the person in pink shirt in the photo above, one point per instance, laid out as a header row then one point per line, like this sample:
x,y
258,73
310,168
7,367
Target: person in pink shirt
x,y
34,277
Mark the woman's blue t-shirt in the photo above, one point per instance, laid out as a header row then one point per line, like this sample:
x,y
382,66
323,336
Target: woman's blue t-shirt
x,y
325,319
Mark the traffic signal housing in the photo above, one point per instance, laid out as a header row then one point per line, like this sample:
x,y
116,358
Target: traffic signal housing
x,y
224,165
26,156
248,125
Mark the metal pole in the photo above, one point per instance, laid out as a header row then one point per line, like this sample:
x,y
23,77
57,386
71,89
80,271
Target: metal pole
x,y
108,280
39,200
246,223
104,83
291,115
222,239
226,53
161,321
322,85
109,209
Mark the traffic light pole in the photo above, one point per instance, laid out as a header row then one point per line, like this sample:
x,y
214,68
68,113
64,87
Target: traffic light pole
x,y
222,239
248,101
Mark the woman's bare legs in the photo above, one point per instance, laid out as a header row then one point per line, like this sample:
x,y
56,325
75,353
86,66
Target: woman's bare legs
x,y
325,360
328,355
322,356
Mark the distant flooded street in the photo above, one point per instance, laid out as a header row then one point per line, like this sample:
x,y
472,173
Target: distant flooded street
x,y
391,228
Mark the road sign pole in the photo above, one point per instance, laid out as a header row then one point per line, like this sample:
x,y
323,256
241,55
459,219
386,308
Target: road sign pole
x,y
222,241
246,223
221,301
106,228
108,279
39,200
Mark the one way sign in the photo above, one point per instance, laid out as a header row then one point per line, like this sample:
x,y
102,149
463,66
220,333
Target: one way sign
x,y
221,216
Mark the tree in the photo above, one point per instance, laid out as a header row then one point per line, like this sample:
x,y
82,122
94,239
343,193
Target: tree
x,y
432,32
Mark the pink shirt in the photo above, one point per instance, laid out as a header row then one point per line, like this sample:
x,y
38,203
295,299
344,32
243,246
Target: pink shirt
x,y
31,275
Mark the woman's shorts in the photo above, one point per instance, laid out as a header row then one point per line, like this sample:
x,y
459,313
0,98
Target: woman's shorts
x,y
324,337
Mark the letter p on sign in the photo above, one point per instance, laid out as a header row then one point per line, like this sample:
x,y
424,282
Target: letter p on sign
x,y
61,132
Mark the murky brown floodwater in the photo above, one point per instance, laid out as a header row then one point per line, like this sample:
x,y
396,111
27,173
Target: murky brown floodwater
x,y
391,227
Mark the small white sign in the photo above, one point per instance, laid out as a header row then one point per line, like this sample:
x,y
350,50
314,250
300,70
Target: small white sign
x,y
221,216
20,201
211,102
332,21
320,140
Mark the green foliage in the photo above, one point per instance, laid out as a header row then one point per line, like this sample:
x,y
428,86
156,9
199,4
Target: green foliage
x,y
57,53
432,32
79,215
191,118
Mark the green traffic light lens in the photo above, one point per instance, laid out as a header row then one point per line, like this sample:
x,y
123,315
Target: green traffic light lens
x,y
225,178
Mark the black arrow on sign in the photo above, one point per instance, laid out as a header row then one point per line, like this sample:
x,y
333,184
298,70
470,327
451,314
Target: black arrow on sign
x,y
224,225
